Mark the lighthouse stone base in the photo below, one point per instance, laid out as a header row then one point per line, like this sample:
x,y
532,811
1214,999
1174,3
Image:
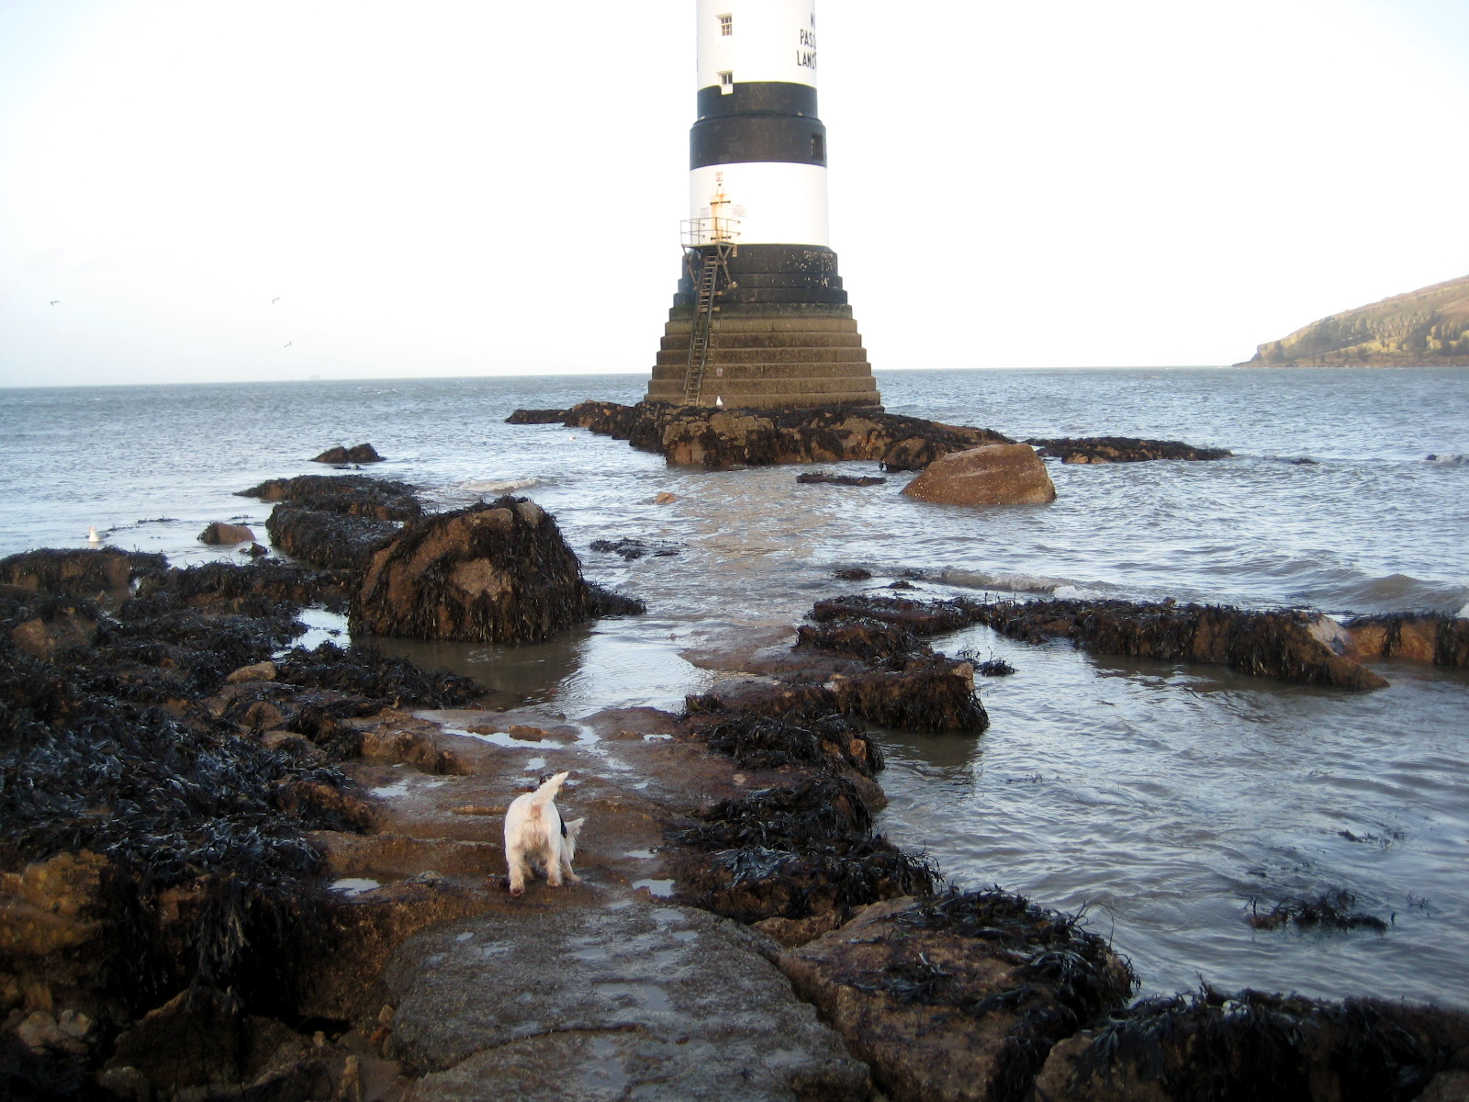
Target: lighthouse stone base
x,y
782,335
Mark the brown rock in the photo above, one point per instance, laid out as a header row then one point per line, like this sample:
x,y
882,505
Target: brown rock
x,y
258,671
996,474
1437,639
219,532
42,637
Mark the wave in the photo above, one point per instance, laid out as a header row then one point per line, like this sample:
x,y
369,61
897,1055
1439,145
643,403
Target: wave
x,y
1010,582
498,486
1395,593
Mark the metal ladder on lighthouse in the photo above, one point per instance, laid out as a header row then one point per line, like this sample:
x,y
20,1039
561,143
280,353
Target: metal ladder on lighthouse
x,y
703,326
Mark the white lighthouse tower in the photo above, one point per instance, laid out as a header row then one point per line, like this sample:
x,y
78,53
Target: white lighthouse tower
x,y
760,318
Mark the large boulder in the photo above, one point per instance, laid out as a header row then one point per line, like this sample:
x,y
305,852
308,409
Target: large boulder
x,y
995,474
492,573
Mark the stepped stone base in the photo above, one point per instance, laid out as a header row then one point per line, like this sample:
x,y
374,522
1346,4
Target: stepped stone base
x,y
782,335
765,356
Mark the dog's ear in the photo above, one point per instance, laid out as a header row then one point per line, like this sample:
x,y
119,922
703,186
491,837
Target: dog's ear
x,y
573,830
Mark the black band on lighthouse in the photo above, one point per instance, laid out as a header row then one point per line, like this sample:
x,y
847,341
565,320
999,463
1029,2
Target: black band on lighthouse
x,y
770,97
736,139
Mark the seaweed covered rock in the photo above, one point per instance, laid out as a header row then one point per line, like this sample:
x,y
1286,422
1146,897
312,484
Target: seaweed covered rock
x,y
996,474
351,495
1253,1045
797,853
104,572
718,439
825,741
335,521
335,541
1123,449
493,573
959,997
1292,645
925,692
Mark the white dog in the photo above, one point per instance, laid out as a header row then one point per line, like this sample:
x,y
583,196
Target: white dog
x,y
536,837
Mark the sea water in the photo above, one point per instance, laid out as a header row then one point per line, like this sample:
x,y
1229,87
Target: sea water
x,y
1167,802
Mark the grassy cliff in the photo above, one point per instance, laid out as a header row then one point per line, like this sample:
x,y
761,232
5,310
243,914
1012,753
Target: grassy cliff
x,y
1428,326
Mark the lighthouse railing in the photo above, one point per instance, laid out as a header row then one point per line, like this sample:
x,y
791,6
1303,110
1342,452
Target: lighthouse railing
x,y
710,231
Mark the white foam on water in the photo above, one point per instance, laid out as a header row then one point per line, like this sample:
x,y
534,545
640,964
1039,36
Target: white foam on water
x,y
354,885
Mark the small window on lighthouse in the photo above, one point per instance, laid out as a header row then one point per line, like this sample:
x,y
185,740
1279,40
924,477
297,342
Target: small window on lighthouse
x,y
726,81
726,25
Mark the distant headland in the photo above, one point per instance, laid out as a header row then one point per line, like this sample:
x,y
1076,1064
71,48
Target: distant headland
x,y
1426,327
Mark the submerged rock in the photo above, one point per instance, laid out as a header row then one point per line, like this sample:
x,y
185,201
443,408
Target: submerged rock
x,y
960,997
996,474
1123,449
829,478
492,573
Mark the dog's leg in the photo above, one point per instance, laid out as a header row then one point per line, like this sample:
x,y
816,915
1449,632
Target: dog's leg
x,y
566,867
517,869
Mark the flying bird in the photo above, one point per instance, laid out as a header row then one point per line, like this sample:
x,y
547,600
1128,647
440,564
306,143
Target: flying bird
x,y
288,344
275,300
54,301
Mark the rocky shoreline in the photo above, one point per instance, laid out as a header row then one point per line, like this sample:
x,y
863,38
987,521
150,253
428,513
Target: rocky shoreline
x,y
233,867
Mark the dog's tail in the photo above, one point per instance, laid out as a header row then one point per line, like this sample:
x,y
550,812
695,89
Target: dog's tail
x,y
546,793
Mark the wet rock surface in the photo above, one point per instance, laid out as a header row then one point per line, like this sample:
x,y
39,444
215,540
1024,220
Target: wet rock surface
x,y
605,1002
493,573
996,474
718,439
1123,449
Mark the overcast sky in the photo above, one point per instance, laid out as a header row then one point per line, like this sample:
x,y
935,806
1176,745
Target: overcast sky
x,y
200,190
